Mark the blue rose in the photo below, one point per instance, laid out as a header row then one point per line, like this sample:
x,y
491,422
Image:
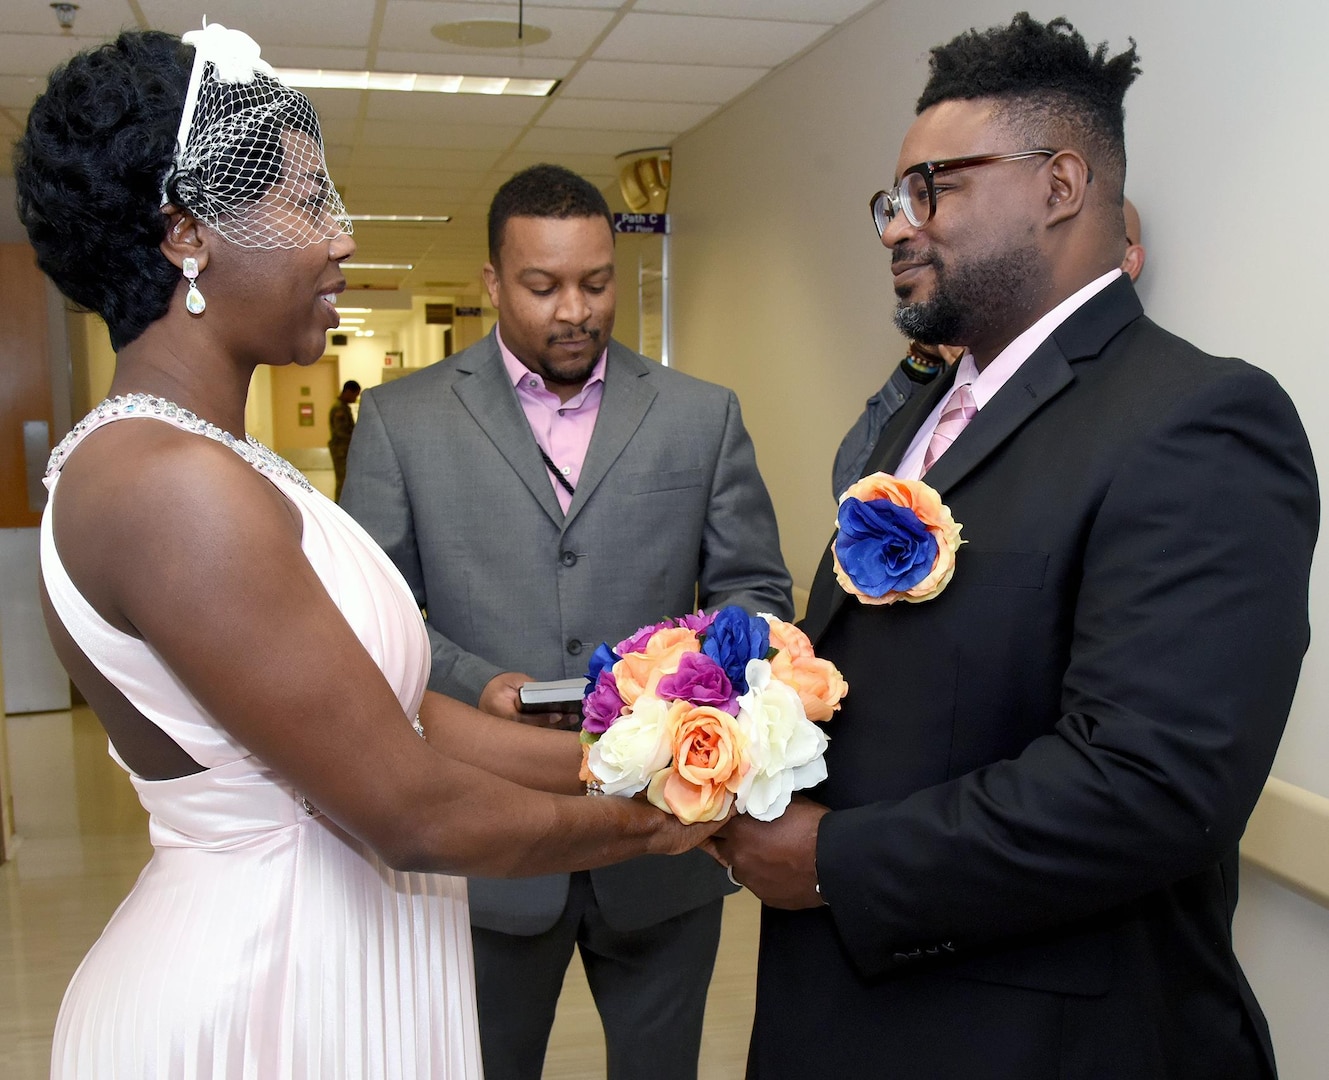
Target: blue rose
x,y
734,638
883,547
603,658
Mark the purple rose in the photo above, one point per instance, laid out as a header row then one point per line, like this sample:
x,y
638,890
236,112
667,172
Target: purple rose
x,y
602,706
702,681
698,623
637,642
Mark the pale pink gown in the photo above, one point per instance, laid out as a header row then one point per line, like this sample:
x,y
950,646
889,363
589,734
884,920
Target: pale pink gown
x,y
261,940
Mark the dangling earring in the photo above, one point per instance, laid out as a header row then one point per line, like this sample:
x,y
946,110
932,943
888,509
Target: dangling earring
x,y
193,299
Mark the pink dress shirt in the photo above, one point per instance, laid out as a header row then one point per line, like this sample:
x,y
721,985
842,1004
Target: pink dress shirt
x,y
985,384
562,429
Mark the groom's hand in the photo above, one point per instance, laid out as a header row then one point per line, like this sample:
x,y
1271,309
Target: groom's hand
x,y
776,860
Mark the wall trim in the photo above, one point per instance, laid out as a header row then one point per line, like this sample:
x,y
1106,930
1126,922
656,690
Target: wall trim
x,y
1288,838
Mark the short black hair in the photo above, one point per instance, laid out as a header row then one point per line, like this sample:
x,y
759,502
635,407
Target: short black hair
x,y
548,191
89,171
350,384
1048,84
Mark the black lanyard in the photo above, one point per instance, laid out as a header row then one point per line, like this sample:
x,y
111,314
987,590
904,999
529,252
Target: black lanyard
x,y
557,472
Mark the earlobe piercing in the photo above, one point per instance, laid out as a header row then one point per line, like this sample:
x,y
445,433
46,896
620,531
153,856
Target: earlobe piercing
x,y
193,299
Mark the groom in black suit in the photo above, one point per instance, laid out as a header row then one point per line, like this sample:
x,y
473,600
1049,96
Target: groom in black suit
x,y
1024,861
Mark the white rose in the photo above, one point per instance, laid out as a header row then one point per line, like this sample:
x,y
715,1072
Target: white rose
x,y
785,747
634,748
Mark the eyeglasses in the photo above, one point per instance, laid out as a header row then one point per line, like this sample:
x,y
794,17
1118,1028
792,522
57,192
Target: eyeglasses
x,y
915,195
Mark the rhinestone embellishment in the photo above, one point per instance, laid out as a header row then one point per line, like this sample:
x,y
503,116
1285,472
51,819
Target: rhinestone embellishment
x,y
259,456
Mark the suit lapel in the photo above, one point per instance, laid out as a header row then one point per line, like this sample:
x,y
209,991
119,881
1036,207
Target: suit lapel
x,y
1039,379
488,396
627,396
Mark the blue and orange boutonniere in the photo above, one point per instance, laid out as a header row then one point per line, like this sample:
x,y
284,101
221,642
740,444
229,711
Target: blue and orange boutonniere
x,y
896,541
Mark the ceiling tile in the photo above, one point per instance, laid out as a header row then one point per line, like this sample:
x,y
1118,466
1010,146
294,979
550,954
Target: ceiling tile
x,y
408,26
345,23
446,136
626,81
453,108
697,39
590,141
826,12
625,115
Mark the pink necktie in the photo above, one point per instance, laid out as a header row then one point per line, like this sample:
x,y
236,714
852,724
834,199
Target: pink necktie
x,y
959,410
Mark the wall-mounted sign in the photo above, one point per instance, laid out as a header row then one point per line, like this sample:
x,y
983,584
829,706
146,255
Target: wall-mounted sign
x,y
438,313
306,409
392,359
641,223
468,312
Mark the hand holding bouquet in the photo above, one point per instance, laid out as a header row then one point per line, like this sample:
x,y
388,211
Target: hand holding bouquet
x,y
707,712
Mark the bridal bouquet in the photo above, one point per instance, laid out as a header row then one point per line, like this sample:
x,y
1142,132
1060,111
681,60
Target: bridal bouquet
x,y
706,712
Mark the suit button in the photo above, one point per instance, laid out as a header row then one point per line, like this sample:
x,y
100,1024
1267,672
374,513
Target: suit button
x,y
574,646
568,558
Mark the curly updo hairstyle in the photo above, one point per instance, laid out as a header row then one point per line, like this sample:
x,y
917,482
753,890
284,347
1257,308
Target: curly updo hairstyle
x,y
89,172
1050,87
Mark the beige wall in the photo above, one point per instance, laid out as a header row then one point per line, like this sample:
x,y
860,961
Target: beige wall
x,y
782,291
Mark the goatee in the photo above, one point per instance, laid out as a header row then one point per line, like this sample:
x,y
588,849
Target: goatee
x,y
972,300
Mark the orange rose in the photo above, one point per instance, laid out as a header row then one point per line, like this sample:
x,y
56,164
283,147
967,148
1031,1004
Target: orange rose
x,y
818,683
789,639
934,515
637,673
708,764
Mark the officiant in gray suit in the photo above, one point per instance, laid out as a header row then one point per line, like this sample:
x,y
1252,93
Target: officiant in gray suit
x,y
543,491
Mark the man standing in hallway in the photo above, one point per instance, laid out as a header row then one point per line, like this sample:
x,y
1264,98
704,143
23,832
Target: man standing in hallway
x,y
341,423
543,491
1024,859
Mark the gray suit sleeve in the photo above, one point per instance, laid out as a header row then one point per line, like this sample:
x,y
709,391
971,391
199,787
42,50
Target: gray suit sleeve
x,y
375,495
740,559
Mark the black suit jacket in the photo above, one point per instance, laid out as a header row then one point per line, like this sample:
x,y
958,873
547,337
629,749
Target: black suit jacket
x,y
1039,778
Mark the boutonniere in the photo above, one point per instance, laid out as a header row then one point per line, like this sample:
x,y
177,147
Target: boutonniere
x,y
896,541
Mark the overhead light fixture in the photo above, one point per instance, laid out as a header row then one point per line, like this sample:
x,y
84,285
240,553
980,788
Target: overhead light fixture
x,y
325,79
354,310
400,217
64,15
492,33
377,266
352,321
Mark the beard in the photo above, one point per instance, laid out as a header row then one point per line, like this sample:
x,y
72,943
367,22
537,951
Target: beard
x,y
973,299
563,371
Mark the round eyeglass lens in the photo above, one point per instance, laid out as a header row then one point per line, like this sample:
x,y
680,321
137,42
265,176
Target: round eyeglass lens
x,y
914,199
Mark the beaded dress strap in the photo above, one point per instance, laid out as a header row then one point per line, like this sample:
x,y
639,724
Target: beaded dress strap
x,y
128,405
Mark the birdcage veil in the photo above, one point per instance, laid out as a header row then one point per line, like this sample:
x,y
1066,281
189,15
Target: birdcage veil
x,y
249,160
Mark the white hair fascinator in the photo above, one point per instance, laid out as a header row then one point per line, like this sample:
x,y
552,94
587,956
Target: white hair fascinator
x,y
249,158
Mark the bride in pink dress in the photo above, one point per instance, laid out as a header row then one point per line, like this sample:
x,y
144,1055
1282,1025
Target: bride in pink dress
x,y
258,663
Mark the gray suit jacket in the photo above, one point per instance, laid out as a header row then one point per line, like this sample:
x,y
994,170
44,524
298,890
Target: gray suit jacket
x,y
670,512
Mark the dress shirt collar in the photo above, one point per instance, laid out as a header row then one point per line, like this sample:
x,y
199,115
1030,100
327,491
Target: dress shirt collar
x,y
518,371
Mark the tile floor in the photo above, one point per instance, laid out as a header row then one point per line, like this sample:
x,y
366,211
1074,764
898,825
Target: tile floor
x,y
84,840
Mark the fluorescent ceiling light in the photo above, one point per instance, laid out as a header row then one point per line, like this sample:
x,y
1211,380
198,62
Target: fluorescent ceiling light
x,y
324,79
351,321
377,266
354,310
400,217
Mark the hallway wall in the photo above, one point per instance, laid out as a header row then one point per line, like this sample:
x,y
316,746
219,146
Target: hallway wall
x,y
782,291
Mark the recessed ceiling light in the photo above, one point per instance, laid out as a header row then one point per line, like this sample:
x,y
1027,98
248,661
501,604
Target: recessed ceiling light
x,y
490,34
326,79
